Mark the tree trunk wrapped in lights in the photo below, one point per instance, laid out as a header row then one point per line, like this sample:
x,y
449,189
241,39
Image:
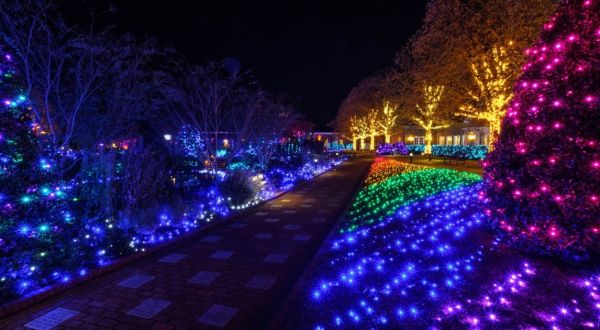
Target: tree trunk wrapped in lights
x,y
359,128
427,115
372,127
387,120
357,105
543,178
355,131
493,77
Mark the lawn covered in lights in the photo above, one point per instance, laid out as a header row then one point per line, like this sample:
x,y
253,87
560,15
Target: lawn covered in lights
x,y
391,184
431,263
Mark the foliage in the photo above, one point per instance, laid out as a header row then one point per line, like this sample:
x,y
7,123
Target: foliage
x,y
397,148
336,146
89,85
143,178
543,178
42,238
482,56
89,169
189,142
387,119
359,102
494,78
460,151
472,68
428,115
273,119
416,149
98,197
239,187
217,101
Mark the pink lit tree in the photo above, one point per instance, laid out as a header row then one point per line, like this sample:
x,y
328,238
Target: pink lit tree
x,y
543,178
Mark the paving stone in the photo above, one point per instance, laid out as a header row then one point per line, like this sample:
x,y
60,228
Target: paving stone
x,y
276,205
136,281
261,213
222,254
289,211
291,227
272,220
287,200
211,239
276,258
302,237
306,206
51,319
319,219
261,282
107,324
162,326
149,308
263,236
310,200
204,277
172,258
238,225
218,315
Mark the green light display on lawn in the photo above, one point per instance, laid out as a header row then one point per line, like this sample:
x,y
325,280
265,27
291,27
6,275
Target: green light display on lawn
x,y
380,200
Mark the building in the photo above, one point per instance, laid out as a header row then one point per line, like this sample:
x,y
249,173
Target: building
x,y
466,133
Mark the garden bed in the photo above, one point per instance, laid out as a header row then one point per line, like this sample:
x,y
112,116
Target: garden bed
x,y
46,292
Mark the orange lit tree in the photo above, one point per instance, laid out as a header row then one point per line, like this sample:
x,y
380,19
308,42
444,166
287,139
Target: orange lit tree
x,y
387,120
493,77
428,115
484,53
356,116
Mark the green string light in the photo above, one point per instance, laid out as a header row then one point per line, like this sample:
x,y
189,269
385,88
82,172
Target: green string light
x,y
379,200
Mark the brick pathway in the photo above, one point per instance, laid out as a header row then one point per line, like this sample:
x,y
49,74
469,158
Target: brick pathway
x,y
233,275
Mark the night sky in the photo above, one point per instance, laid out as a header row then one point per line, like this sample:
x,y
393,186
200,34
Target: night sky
x,y
314,52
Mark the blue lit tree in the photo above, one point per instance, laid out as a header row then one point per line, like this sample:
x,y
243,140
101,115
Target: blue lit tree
x,y
31,206
41,240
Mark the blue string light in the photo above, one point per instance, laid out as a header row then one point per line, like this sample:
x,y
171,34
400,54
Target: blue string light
x,y
433,264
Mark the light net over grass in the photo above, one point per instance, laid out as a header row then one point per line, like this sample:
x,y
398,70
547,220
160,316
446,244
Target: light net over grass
x,y
431,264
384,168
391,184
